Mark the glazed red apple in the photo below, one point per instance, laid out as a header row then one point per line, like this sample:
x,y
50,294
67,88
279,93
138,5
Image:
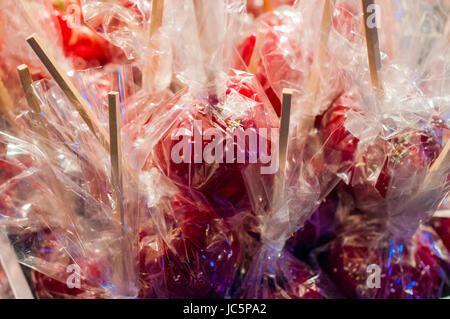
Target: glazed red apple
x,y
221,183
197,259
409,270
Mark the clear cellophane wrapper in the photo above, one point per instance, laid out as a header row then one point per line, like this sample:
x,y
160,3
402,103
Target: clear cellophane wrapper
x,y
219,229
221,185
178,238
393,188
393,154
14,50
363,253
58,197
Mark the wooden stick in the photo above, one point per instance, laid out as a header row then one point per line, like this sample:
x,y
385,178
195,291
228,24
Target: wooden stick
x,y
284,130
126,274
116,153
280,179
26,81
13,271
267,6
69,90
157,16
373,45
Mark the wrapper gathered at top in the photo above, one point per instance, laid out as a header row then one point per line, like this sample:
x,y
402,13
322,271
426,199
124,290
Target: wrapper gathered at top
x,y
360,183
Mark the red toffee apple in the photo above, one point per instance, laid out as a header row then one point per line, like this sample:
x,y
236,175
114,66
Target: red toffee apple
x,y
80,43
222,182
197,259
410,270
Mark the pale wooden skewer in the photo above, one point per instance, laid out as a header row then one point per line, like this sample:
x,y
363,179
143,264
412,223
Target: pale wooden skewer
x,y
116,153
255,58
442,160
127,274
33,103
284,130
74,97
280,178
157,16
156,23
27,81
13,271
69,90
32,100
373,47
267,6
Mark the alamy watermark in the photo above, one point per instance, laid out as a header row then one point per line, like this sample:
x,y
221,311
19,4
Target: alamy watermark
x,y
227,147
